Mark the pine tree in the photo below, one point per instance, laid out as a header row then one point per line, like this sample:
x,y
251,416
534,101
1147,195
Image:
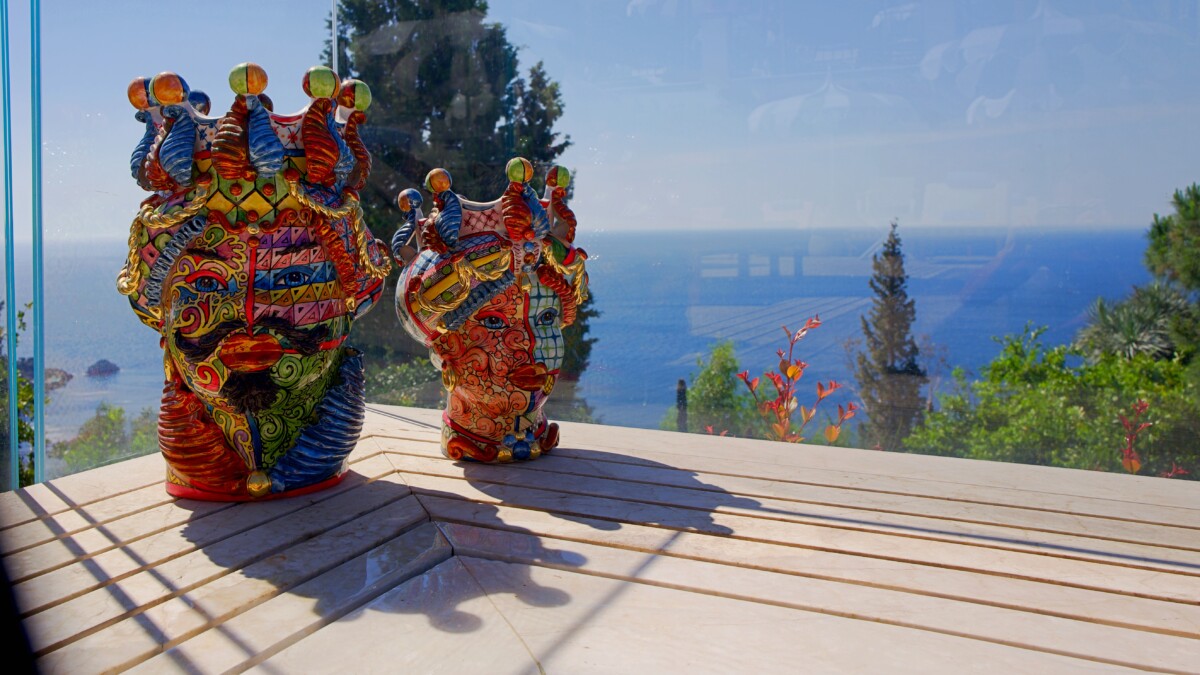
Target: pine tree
x,y
1174,249
888,374
446,92
535,106
1173,256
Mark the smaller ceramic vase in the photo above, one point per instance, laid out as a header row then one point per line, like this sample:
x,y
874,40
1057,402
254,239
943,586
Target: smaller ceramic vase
x,y
488,287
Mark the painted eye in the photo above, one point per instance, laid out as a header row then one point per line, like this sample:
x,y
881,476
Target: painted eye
x,y
493,322
293,277
207,282
547,317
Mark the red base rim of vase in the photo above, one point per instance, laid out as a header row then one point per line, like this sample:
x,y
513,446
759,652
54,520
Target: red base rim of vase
x,y
187,492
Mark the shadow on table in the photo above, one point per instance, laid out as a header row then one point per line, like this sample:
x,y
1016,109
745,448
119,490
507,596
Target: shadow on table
x,y
603,490
343,562
341,548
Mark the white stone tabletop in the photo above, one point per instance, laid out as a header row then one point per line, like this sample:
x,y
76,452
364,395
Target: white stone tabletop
x,y
623,551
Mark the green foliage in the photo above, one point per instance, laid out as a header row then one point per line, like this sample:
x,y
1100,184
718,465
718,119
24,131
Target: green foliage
x,y
1152,321
566,405
716,397
535,106
888,375
577,343
1174,249
446,92
25,412
414,382
1049,406
106,438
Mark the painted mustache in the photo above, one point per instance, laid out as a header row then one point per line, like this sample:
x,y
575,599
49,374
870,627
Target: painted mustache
x,y
250,353
529,377
306,341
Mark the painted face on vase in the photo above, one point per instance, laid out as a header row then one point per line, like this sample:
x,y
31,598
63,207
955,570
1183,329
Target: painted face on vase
x,y
501,366
491,306
251,260
240,344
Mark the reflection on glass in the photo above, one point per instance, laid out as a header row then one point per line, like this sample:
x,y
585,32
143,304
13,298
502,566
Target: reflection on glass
x,y
741,166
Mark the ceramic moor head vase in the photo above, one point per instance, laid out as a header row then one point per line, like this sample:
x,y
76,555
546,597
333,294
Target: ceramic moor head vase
x,y
251,260
489,287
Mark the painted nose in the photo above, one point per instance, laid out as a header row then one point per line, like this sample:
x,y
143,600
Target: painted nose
x,y
529,377
250,353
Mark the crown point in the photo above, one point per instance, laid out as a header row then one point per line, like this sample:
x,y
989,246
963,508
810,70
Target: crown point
x,y
408,200
199,102
248,78
321,82
139,93
519,170
558,177
168,88
354,94
438,181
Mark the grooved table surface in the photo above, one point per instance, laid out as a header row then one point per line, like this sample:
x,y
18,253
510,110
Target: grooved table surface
x,y
623,551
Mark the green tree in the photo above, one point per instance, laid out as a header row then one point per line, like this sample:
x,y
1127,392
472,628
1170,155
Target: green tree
x,y
1174,250
413,382
1049,406
1162,319
447,92
716,397
535,106
887,372
577,343
1143,323
24,408
566,403
53,378
106,437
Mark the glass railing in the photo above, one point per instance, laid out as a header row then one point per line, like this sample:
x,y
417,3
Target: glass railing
x,y
734,170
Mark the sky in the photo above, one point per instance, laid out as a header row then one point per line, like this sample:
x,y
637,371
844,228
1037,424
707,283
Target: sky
x,y
711,114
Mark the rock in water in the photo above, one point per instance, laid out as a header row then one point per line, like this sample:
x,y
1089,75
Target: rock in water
x,y
103,367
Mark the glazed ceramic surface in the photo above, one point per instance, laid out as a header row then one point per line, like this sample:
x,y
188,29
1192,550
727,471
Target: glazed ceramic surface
x,y
251,260
489,287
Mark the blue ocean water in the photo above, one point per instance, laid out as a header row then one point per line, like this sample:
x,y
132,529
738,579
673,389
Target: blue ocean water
x,y
666,298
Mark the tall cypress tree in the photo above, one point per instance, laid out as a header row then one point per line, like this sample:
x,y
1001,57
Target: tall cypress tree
x,y
888,374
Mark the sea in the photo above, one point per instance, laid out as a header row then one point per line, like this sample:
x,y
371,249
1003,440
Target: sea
x,y
666,297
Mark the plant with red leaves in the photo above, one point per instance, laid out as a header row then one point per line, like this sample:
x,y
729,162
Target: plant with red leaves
x,y
1175,471
777,412
1129,457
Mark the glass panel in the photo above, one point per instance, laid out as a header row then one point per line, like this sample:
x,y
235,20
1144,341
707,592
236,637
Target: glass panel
x,y
736,168
742,163
109,363
10,441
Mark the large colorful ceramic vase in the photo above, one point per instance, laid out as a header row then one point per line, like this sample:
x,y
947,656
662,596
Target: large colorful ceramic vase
x,y
251,259
489,287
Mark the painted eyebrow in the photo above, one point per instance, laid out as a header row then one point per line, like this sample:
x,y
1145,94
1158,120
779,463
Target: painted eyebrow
x,y
293,248
202,253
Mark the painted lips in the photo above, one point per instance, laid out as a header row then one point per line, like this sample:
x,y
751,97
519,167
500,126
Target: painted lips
x,y
529,377
250,353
